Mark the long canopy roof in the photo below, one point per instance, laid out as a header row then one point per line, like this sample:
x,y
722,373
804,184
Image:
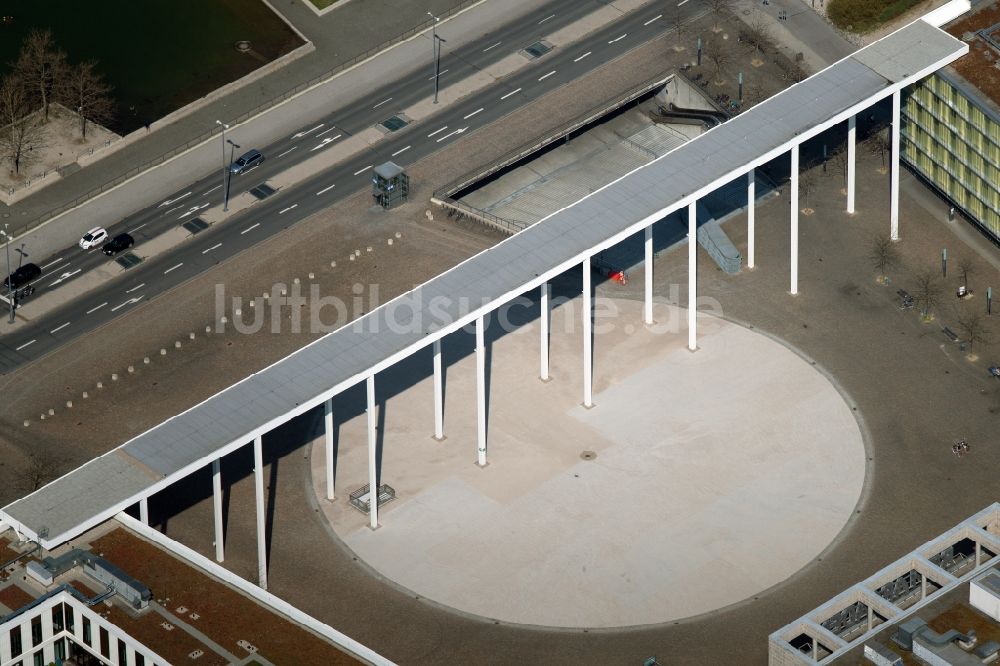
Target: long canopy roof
x,y
302,380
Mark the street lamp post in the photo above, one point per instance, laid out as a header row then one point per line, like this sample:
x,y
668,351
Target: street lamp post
x,y
437,54
229,172
225,171
10,281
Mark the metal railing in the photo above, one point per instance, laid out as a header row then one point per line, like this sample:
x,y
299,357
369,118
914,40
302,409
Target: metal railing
x,y
243,117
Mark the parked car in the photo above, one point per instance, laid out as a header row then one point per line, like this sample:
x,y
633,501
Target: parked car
x,y
246,162
21,277
93,238
117,244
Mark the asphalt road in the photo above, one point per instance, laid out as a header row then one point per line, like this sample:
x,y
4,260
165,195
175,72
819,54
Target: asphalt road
x,y
154,276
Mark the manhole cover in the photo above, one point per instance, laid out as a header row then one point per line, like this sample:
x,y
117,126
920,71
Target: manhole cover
x,y
393,123
588,455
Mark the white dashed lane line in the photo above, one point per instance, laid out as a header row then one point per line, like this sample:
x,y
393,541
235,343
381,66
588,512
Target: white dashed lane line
x,y
546,19
512,92
326,131
52,263
325,189
308,131
618,39
205,194
25,345
385,101
401,151
130,301
490,48
682,2
441,73
250,228
138,286
285,210
132,231
451,134
655,18
545,76
93,310
325,141
214,247
173,201
288,151
437,131
172,268
59,328
358,173
582,57
473,113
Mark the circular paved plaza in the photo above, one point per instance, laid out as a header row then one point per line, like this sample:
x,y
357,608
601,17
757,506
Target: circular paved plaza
x,y
697,481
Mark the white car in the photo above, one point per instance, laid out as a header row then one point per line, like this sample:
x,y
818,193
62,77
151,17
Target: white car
x,y
93,238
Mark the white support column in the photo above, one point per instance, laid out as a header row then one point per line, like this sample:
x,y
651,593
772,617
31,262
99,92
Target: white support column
x,y
794,232
220,545
588,347
258,477
693,275
648,266
545,317
328,430
372,462
144,510
852,133
751,201
480,392
894,177
438,393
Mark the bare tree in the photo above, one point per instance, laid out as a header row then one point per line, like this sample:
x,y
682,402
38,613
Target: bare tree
x,y
928,291
38,471
878,143
758,32
84,91
21,131
719,8
966,267
807,183
754,92
40,65
884,255
838,163
973,327
719,53
677,22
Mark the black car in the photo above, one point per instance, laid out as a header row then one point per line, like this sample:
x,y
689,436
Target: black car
x,y
117,244
21,277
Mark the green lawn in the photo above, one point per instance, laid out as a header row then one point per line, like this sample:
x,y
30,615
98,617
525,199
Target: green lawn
x,y
860,16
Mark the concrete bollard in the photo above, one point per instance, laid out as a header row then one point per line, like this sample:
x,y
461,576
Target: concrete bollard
x,y
312,276
208,329
42,417
114,376
333,264
224,319
238,312
131,369
357,252
69,404
85,395
295,281
399,235
26,423
390,241
163,352
145,360
52,412
177,344
191,335
100,385
351,257
368,249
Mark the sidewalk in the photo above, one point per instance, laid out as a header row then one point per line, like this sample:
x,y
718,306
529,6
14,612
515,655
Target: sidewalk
x,y
339,37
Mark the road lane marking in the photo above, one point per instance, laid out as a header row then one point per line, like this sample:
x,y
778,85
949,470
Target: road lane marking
x,y
170,201
172,268
130,301
59,328
193,209
129,291
439,74
681,2
401,150
250,228
288,151
284,210
65,276
618,38
172,210
358,173
205,194
545,76
488,48
582,57
52,263
325,189
473,113
655,18
92,310
437,131
449,134
308,131
325,142
132,231
546,19
25,345
328,130
512,92
385,101
214,247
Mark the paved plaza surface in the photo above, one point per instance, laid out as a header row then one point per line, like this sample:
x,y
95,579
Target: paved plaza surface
x,y
697,481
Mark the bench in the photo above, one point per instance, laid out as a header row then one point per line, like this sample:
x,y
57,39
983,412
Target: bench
x,y
951,335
